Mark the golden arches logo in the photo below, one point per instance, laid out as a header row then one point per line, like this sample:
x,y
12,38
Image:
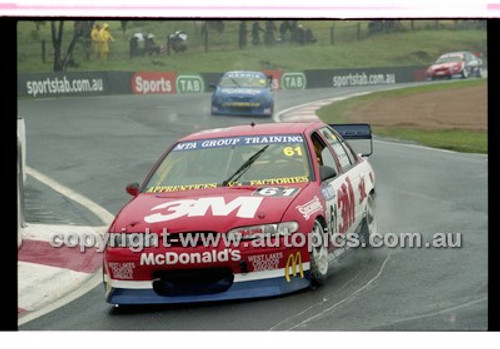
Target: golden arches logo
x,y
294,261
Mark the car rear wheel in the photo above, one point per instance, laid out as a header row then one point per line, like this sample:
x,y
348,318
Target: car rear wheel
x,y
369,225
319,254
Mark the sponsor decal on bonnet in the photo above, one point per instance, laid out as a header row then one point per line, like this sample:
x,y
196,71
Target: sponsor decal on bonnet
x,y
245,207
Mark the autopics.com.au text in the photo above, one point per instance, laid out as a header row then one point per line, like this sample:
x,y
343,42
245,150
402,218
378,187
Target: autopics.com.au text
x,y
137,242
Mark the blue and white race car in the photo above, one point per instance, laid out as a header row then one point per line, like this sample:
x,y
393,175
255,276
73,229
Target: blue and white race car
x,y
243,93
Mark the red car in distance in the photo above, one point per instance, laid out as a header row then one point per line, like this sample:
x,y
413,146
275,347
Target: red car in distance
x,y
462,64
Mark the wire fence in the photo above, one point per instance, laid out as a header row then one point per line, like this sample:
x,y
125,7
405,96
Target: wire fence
x,y
204,36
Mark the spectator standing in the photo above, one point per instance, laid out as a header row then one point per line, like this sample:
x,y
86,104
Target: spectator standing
x,y
309,36
151,46
269,33
255,33
104,38
94,37
284,28
292,27
300,34
242,42
137,44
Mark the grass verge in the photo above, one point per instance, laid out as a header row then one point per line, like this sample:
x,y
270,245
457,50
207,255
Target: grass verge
x,y
469,141
466,141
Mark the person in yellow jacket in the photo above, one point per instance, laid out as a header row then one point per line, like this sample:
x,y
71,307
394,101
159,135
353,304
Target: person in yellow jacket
x,y
94,37
104,38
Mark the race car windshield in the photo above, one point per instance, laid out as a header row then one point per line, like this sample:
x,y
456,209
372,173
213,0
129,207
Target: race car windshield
x,y
448,59
211,163
243,81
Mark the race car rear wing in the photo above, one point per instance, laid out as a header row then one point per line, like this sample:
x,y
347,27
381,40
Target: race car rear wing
x,y
355,131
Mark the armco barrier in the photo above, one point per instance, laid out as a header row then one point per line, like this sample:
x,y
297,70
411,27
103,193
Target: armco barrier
x,y
148,82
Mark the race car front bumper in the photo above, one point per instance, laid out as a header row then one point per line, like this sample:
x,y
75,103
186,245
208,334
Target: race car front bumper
x,y
242,110
250,285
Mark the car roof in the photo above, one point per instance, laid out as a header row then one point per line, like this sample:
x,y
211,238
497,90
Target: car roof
x,y
457,53
255,130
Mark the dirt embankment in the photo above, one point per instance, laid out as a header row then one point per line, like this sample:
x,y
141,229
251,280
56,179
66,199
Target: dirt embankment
x,y
464,108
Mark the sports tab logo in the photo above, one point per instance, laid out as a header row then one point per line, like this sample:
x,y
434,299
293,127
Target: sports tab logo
x,y
153,82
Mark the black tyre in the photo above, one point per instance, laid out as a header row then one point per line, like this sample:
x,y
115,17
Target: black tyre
x,y
369,225
465,73
319,255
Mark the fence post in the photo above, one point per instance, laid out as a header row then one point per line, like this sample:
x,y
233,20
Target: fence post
x,y
332,34
359,30
43,51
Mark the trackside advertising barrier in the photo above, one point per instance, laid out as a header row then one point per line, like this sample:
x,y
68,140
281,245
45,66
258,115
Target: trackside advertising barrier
x,y
363,77
144,82
41,85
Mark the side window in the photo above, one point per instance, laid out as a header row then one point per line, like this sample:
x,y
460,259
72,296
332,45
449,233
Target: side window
x,y
350,153
323,155
472,57
344,154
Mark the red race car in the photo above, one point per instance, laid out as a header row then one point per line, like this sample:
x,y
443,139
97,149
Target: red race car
x,y
455,64
241,212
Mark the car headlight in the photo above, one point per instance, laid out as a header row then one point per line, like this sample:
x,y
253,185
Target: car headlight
x,y
256,231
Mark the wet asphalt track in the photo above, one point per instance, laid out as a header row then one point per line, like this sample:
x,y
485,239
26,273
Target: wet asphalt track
x,y
97,145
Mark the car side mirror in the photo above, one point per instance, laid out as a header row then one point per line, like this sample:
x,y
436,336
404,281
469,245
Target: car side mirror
x,y
133,189
212,86
327,172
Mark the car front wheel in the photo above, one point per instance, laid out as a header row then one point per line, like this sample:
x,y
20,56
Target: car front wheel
x,y
319,254
369,225
465,73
